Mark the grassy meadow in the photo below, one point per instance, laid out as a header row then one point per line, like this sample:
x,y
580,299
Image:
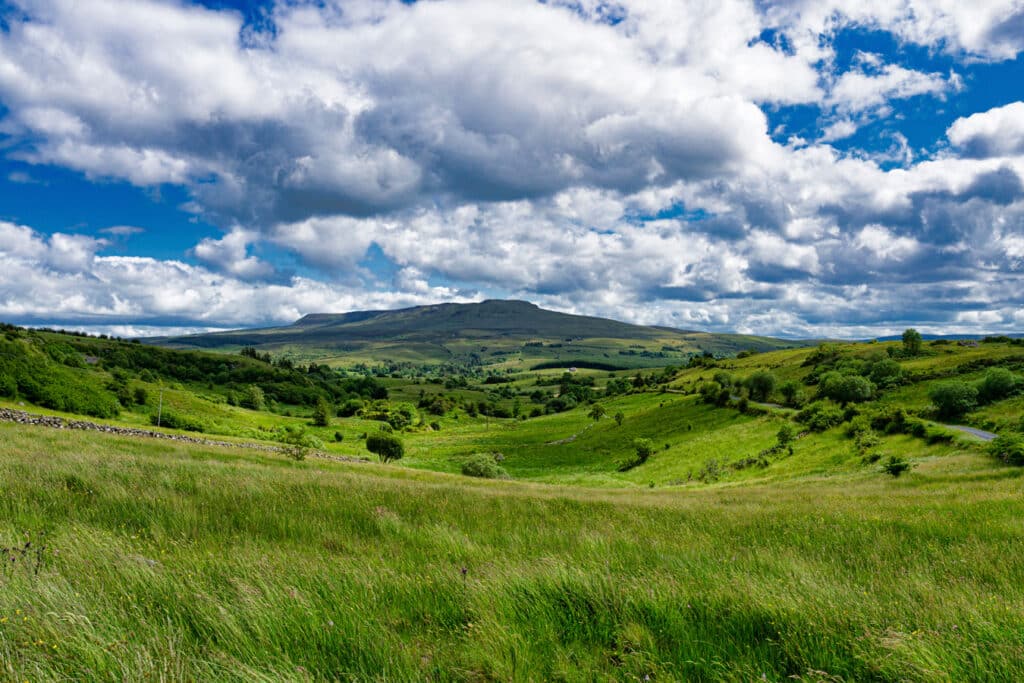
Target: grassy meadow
x,y
167,562
725,554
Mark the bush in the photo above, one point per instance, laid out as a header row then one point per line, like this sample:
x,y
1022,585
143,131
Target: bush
x,y
1008,448
820,416
350,407
339,437
483,465
252,398
786,434
386,446
953,399
886,372
895,466
998,383
643,449
176,421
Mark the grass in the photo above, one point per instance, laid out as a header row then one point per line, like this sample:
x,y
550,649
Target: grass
x,y
167,562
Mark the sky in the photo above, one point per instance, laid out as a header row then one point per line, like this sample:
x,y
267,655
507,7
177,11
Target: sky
x,y
798,168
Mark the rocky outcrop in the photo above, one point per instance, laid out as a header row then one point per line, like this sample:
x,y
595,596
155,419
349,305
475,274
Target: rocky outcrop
x,y
25,418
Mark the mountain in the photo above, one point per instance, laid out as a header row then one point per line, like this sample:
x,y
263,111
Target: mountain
x,y
488,331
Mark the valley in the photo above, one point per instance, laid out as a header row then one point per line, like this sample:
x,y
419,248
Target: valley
x,y
806,513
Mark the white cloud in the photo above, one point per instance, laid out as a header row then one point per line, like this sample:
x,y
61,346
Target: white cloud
x,y
996,132
231,255
882,243
858,90
515,147
111,290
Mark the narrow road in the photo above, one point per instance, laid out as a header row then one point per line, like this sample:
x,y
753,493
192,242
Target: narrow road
x,y
980,433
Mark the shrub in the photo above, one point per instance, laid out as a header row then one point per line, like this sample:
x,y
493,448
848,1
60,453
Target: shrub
x,y
176,421
643,449
786,434
820,416
1009,448
483,465
386,446
953,399
886,372
895,466
998,383
350,407
339,437
252,398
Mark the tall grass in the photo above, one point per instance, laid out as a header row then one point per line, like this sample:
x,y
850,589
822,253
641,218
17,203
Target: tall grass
x,y
166,562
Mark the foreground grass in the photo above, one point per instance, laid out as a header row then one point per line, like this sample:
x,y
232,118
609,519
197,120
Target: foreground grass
x,y
165,562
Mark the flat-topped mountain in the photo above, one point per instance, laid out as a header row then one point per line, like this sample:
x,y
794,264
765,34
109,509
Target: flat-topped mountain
x,y
450,331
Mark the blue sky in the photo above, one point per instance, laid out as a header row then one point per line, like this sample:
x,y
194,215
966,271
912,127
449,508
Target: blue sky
x,y
793,168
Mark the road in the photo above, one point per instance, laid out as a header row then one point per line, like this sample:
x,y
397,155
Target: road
x,y
980,433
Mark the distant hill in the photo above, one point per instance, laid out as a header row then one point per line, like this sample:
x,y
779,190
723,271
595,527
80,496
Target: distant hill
x,y
486,332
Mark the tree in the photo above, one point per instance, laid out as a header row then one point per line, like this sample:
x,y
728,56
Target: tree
x,y
322,413
619,417
790,390
761,385
297,443
911,342
786,434
252,398
845,388
386,446
597,412
953,399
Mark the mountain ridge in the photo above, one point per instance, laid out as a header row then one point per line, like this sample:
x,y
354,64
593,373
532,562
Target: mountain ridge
x,y
441,331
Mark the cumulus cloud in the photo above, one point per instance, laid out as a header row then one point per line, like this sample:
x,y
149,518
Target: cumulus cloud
x,y
858,90
62,280
996,132
230,254
609,158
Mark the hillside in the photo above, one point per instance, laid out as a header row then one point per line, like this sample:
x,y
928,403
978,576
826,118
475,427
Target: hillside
x,y
802,514
492,332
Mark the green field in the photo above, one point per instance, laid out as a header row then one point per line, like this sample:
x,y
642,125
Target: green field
x,y
174,563
729,553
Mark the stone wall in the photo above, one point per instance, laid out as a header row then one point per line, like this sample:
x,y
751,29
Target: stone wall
x,y
25,418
